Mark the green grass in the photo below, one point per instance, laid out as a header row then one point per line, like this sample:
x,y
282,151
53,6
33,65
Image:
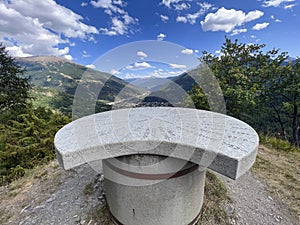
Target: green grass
x,y
277,144
280,171
215,196
42,97
100,216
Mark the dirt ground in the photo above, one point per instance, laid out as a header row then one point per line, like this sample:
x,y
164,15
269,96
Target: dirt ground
x,y
269,194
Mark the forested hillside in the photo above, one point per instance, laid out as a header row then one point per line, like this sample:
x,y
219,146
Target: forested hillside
x,y
54,82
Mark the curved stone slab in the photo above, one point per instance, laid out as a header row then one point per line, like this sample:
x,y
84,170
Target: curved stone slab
x,y
211,140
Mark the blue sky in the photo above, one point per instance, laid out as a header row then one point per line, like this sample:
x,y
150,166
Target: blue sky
x,y
84,30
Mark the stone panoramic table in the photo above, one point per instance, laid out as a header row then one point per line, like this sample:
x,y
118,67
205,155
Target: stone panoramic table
x,y
154,159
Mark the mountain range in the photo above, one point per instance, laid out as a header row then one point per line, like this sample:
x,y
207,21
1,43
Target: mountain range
x,y
56,79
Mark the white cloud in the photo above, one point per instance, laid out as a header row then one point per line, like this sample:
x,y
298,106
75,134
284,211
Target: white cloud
x,y
91,66
177,66
276,20
275,3
227,19
64,51
109,5
85,54
27,30
187,51
164,18
192,17
119,26
196,51
238,31
290,6
115,72
253,36
69,57
160,73
83,4
161,37
142,54
181,19
139,66
17,51
260,26
182,6
168,3
121,21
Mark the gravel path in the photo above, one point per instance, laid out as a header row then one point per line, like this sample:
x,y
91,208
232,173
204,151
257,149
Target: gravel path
x,y
254,205
80,191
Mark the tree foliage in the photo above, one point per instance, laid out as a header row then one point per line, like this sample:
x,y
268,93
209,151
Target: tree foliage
x,y
28,141
14,89
26,134
259,87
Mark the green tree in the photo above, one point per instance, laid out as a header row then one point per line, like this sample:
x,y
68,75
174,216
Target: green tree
x,y
259,87
28,141
283,97
241,71
14,89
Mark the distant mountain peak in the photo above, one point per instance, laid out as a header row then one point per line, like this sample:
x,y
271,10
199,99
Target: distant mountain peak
x,y
43,59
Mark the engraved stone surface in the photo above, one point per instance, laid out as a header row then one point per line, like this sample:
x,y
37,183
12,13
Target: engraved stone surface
x,y
219,142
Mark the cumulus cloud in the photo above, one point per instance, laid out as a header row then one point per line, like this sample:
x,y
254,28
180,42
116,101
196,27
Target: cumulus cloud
x,y
27,30
121,21
161,37
142,54
164,18
17,51
275,3
177,66
238,31
228,19
187,51
83,4
115,72
91,66
139,66
260,26
69,57
161,73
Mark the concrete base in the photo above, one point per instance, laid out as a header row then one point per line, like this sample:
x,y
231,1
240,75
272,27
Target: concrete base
x,y
152,190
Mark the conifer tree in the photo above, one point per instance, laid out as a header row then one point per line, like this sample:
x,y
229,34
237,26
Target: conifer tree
x,y
14,89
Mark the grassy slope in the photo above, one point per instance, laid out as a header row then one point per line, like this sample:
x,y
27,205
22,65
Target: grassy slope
x,y
281,172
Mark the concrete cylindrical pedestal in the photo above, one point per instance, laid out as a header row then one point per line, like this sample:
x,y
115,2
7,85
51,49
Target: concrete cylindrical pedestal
x,y
153,190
